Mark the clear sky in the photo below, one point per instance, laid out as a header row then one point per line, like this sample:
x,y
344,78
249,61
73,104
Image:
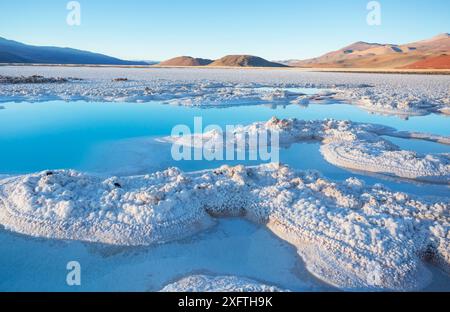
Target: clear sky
x,y
273,29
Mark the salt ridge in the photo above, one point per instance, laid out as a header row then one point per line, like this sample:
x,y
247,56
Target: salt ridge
x,y
349,235
345,144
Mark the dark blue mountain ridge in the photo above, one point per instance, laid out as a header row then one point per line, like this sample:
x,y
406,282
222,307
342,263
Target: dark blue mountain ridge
x,y
16,52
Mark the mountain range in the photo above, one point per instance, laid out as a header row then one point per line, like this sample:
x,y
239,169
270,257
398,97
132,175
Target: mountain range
x,y
16,52
432,53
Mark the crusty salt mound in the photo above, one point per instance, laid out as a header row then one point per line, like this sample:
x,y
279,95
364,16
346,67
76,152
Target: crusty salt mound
x,y
32,79
350,235
204,283
130,211
344,143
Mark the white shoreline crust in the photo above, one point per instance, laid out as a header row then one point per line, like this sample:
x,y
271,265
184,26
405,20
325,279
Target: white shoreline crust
x,y
350,235
345,144
404,95
205,283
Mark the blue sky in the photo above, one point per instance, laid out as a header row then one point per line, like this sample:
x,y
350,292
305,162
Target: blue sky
x,y
274,29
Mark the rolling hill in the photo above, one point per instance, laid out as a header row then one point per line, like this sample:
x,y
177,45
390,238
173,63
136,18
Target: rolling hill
x,y
16,52
244,61
186,61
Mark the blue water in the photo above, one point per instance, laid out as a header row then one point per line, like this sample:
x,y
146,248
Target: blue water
x,y
420,146
232,247
63,135
119,138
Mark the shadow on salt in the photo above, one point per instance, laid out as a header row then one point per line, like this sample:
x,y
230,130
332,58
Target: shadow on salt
x,y
233,247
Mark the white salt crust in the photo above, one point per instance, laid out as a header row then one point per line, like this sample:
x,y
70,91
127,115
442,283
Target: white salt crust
x,y
390,94
349,235
346,144
205,283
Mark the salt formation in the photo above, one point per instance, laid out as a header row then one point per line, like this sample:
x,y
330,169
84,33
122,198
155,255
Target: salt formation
x,y
31,79
128,211
346,144
349,235
391,94
204,283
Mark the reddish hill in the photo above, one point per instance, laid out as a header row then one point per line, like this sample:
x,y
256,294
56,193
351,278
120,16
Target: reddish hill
x,y
375,55
438,62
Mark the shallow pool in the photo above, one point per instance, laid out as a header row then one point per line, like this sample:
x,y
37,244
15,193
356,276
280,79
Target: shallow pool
x,y
232,247
116,137
119,138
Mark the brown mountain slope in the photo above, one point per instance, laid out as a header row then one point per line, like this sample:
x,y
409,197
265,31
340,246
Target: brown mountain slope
x,y
374,55
244,61
438,62
437,44
348,52
186,61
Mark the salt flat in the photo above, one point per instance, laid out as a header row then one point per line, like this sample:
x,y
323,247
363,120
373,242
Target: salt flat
x,y
393,94
350,235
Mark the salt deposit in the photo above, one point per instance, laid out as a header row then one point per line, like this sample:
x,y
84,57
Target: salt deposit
x,y
344,143
204,283
391,94
349,235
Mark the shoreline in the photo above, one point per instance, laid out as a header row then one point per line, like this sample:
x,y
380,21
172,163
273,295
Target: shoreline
x,y
299,69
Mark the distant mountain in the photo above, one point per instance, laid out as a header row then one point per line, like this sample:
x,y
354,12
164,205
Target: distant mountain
x,y
431,54
186,61
227,61
16,52
244,61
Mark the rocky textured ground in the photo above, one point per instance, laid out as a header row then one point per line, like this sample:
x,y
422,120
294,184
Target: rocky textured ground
x,y
30,79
